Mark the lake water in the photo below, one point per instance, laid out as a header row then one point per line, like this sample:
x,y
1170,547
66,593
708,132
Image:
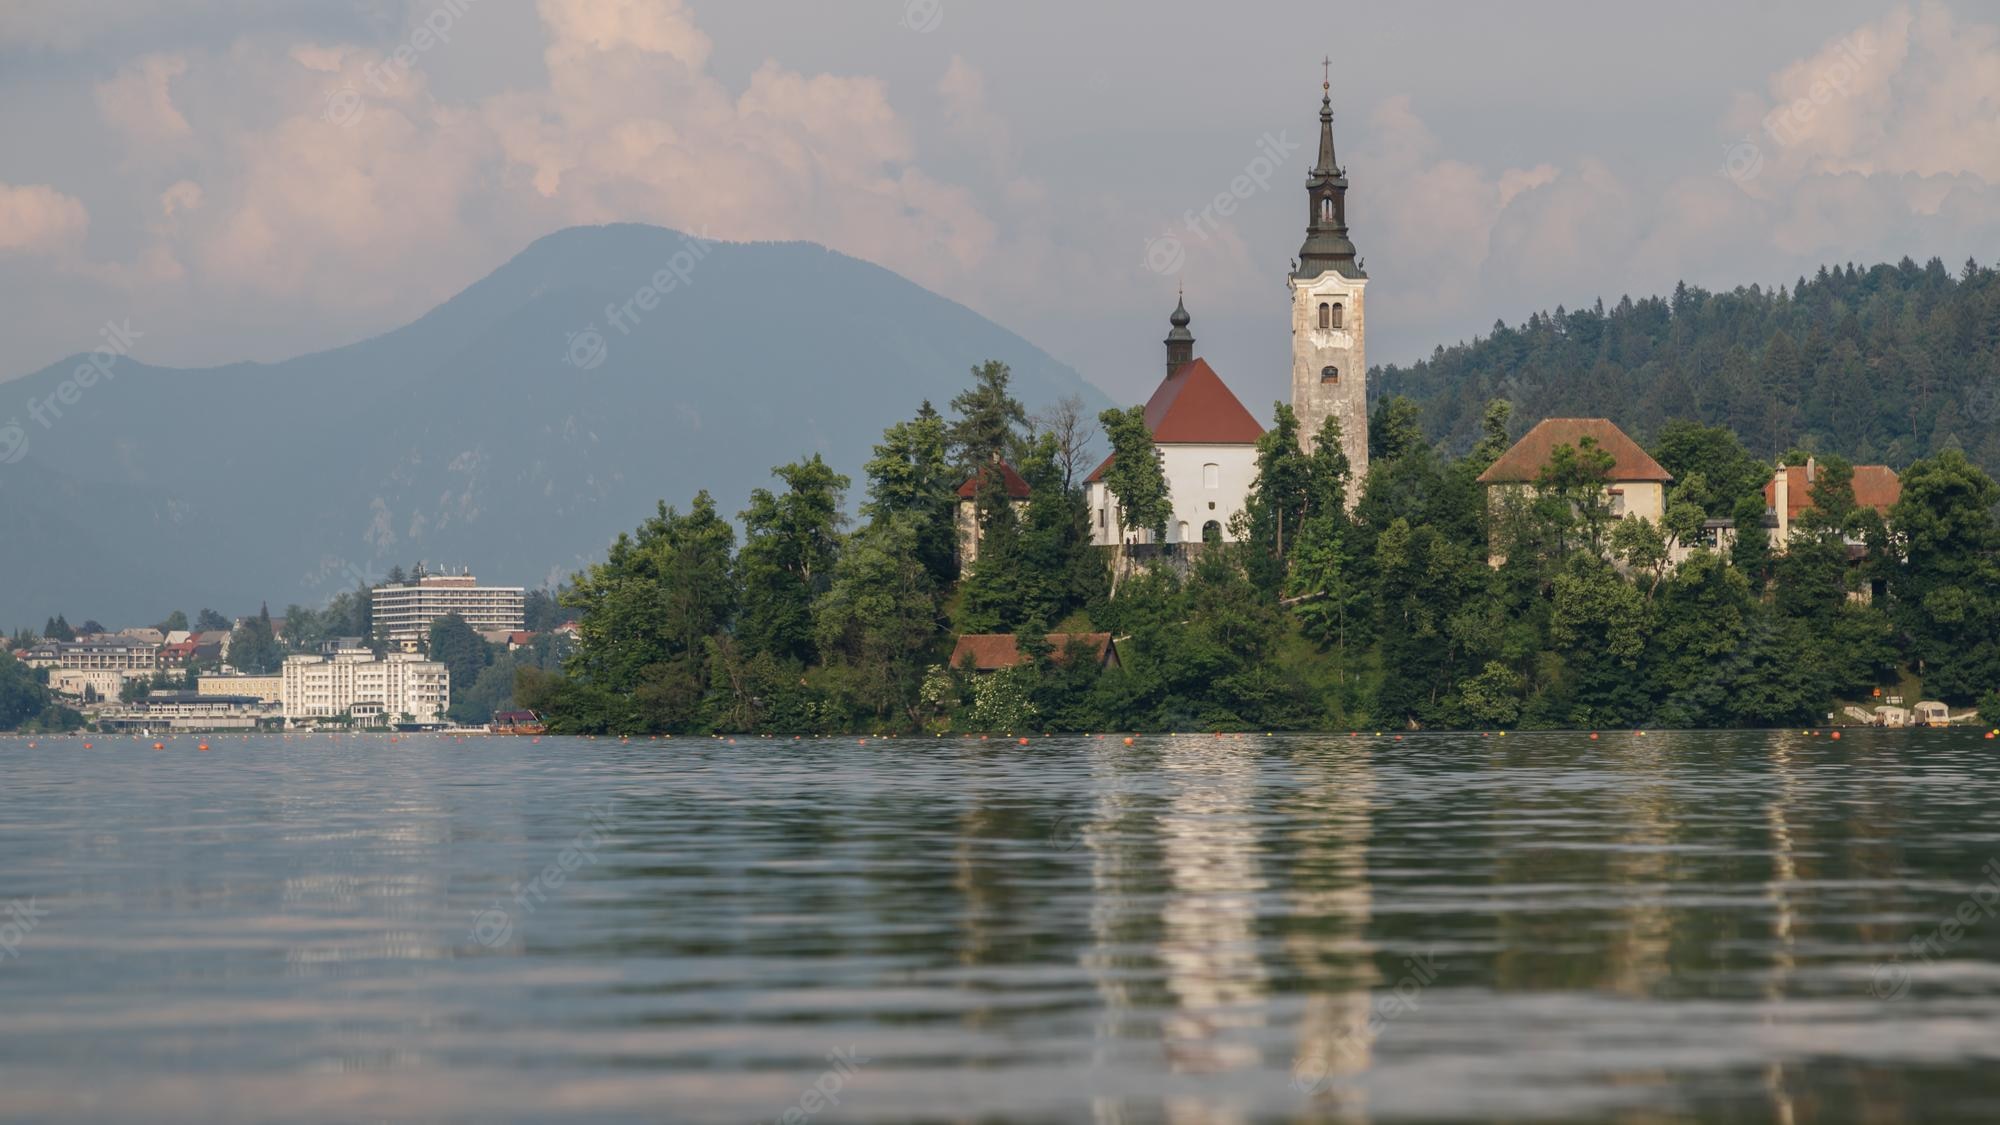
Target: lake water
x,y
1674,926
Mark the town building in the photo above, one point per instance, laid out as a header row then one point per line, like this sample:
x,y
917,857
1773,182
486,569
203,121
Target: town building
x,y
990,652
187,710
270,689
1011,483
353,682
404,611
1635,486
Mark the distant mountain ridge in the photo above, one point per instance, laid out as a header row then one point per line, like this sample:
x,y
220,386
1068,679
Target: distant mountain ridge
x,y
513,429
1885,363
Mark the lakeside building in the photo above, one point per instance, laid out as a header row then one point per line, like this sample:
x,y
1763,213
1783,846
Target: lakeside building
x,y
1635,486
969,532
270,689
1788,494
354,682
187,710
991,652
403,612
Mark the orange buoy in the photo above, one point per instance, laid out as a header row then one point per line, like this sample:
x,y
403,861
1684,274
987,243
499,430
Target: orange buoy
x,y
86,745
203,747
1128,741
1024,742
1836,734
1593,736
159,746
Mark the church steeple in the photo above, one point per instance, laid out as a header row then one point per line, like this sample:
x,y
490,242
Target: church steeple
x,y
1327,247
1180,342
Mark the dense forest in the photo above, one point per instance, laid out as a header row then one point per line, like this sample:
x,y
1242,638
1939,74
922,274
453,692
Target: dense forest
x,y
1322,615
1878,365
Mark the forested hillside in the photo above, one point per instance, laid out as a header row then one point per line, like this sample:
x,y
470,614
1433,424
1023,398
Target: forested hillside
x,y
1885,364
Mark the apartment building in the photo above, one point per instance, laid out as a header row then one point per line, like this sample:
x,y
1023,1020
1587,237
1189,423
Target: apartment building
x,y
404,611
353,682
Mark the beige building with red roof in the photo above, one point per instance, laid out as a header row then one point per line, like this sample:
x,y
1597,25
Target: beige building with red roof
x,y
1208,451
1789,494
969,532
1636,485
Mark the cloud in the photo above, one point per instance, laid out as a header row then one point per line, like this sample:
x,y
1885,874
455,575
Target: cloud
x,y
139,102
38,219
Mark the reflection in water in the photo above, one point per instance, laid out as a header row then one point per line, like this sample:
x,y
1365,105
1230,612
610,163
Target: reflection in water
x,y
1208,936
1658,928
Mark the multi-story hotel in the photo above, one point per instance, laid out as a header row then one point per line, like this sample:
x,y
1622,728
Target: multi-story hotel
x,y
351,681
404,611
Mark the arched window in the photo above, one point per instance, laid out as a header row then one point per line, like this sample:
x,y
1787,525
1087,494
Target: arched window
x,y
1339,316
1325,316
1182,531
1211,532
1211,475
1329,374
1325,208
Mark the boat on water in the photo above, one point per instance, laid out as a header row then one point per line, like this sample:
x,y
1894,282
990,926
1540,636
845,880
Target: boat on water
x,y
516,722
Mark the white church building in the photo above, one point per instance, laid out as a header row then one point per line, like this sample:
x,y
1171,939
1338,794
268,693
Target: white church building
x,y
1207,440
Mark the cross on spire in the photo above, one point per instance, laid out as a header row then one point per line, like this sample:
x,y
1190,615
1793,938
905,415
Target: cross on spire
x,y
1326,64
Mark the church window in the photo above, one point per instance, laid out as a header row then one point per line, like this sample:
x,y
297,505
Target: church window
x,y
1329,374
1325,316
1100,517
1211,475
1211,532
1339,316
1182,529
1326,208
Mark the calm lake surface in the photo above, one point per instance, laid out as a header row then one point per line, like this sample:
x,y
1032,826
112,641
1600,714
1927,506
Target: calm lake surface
x,y
1675,926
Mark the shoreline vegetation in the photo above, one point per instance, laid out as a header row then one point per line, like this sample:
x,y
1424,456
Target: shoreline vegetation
x,y
1320,615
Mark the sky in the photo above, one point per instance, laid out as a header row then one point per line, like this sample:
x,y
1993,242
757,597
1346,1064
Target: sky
x,y
255,179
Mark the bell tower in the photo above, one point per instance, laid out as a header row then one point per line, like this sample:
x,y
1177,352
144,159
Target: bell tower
x,y
1329,355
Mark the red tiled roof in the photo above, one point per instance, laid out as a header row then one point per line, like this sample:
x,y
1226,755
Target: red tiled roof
x,y
993,651
1875,486
1017,488
1193,406
1524,462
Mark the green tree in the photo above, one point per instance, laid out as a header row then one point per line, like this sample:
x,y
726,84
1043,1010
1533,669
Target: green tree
x,y
254,647
911,475
879,621
176,622
1947,592
990,420
1135,477
790,542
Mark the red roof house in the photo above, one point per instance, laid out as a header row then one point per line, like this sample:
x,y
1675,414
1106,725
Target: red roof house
x,y
990,652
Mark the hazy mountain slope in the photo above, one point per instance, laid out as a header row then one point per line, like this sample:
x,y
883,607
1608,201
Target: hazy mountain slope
x,y
494,432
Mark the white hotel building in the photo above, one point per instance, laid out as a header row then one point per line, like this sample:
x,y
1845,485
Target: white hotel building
x,y
404,611
353,682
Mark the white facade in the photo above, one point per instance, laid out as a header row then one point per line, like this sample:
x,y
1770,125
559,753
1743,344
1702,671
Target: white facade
x,y
404,612
353,682
1207,483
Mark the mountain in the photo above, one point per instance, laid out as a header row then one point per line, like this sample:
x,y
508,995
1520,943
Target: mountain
x,y
514,429
1888,363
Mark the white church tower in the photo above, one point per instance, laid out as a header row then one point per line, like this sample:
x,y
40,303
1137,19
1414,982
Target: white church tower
x,y
1329,355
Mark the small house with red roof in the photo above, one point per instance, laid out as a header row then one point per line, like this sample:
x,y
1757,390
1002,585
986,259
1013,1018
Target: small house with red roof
x,y
1010,482
1788,494
992,652
1635,486
1208,451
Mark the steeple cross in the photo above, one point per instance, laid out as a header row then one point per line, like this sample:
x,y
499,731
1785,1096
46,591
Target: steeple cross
x,y
1327,65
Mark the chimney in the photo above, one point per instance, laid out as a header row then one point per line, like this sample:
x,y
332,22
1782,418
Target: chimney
x,y
1781,499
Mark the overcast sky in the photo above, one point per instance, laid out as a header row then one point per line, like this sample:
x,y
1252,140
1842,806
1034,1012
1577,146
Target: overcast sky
x,y
253,179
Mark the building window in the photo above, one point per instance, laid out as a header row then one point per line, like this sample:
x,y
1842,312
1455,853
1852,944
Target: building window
x,y
1339,316
1325,208
1329,375
1211,532
1618,503
1211,475
1100,517
1182,530
1325,316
